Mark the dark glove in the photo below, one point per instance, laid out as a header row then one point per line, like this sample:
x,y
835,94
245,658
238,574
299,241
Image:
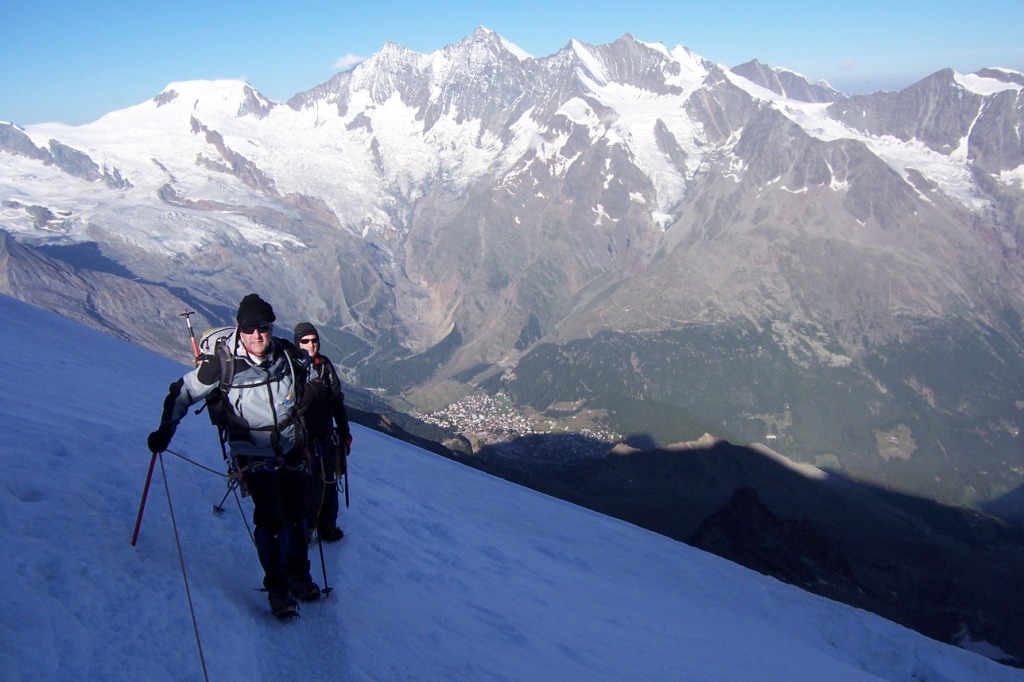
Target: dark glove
x,y
161,438
342,436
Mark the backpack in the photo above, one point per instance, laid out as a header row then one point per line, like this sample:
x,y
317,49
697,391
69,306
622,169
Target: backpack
x,y
213,341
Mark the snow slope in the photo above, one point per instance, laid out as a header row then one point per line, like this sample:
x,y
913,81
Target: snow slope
x,y
444,573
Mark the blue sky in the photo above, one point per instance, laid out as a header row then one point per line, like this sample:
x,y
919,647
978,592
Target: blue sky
x,y
72,61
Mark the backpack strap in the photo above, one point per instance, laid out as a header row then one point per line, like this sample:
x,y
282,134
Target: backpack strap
x,y
291,353
229,424
221,413
227,365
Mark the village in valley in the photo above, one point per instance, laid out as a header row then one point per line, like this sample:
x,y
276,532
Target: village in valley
x,y
493,421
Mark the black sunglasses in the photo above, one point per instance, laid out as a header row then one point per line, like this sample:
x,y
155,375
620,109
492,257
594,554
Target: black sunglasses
x,y
306,342
263,328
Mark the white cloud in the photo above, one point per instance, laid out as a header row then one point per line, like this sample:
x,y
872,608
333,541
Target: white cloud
x,y
346,62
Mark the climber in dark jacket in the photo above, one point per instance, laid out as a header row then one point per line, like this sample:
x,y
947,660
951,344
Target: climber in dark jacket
x,y
329,437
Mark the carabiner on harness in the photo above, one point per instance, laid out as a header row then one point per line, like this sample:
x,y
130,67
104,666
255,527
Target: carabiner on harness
x,y
270,464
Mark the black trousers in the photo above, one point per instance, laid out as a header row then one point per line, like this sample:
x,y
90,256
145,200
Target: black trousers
x,y
279,517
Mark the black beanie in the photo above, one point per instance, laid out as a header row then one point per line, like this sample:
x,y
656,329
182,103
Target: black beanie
x,y
254,311
304,329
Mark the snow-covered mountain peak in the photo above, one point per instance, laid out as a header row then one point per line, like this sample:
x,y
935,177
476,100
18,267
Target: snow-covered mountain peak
x,y
483,58
490,41
215,103
215,97
785,83
590,63
987,83
1008,75
515,50
380,74
693,68
396,99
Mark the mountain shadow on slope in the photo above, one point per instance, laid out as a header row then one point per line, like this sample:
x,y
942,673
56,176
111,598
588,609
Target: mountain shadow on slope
x,y
796,551
951,573
86,256
1010,506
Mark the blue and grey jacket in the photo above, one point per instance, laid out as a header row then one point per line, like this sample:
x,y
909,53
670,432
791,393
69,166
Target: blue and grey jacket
x,y
263,397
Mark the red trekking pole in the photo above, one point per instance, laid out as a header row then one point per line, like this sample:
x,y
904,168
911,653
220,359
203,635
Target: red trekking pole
x,y
142,503
152,460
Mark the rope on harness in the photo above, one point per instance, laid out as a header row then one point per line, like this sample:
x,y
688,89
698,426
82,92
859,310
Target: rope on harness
x,y
197,464
275,464
233,477
268,464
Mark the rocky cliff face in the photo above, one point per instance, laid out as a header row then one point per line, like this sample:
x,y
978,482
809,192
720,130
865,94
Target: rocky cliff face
x,y
692,246
100,296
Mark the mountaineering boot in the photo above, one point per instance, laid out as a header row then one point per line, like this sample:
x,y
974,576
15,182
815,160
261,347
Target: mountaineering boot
x,y
282,605
331,534
303,587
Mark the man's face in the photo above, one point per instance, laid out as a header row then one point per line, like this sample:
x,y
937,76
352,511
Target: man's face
x,y
257,339
310,344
